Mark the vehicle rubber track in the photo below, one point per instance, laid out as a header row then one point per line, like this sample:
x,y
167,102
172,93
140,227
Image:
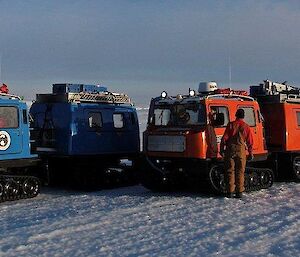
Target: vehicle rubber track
x,y
255,179
13,187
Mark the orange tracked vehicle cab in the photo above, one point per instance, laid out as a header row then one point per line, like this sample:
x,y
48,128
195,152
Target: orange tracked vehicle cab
x,y
182,140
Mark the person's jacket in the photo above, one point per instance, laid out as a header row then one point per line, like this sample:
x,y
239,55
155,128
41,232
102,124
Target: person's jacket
x,y
236,137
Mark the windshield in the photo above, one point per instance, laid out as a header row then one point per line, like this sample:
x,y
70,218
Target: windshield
x,y
179,115
9,117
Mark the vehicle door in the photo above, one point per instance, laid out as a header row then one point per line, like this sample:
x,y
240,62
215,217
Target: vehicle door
x,y
10,132
95,136
122,133
293,128
252,119
219,129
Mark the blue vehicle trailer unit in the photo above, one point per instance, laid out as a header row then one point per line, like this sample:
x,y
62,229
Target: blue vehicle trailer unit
x,y
15,151
84,126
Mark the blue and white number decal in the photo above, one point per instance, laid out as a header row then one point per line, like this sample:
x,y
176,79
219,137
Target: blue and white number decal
x,y
4,140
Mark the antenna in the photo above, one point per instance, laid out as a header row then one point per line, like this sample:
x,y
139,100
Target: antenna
x,y
0,69
229,62
229,69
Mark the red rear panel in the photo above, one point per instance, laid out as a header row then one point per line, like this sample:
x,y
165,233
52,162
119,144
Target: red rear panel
x,y
282,124
292,114
274,126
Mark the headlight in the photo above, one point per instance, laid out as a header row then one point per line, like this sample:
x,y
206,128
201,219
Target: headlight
x,y
163,94
192,92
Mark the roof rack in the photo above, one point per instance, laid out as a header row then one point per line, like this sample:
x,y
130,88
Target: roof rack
x,y
9,96
292,98
274,92
106,97
208,96
279,98
242,97
85,97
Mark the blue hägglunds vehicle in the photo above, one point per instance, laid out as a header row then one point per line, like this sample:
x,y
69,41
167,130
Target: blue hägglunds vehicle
x,y
16,160
83,132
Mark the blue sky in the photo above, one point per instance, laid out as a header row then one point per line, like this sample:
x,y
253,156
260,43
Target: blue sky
x,y
142,47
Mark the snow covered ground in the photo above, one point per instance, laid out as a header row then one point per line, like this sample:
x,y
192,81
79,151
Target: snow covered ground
x,y
133,221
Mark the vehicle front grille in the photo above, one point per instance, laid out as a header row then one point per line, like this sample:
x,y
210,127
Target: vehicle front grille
x,y
157,143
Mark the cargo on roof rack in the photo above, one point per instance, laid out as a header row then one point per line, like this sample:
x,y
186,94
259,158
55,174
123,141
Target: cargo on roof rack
x,y
105,97
274,92
80,93
77,88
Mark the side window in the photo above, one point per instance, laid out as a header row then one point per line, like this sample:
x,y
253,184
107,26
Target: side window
x,y
259,116
118,120
9,117
298,118
25,120
220,109
249,116
95,120
132,117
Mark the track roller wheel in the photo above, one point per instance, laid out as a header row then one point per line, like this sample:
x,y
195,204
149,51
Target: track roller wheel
x,y
253,179
11,189
31,187
266,178
217,179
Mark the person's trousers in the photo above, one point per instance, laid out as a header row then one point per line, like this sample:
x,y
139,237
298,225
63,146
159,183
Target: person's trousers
x,y
235,172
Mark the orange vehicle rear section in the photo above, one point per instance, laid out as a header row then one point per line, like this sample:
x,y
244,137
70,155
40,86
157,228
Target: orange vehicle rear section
x,y
282,126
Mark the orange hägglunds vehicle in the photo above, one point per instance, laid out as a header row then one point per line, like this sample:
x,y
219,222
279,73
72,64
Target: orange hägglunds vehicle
x,y
182,139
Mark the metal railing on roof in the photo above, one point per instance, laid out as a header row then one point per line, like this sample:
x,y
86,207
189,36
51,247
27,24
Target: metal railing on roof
x,y
105,97
230,96
9,96
293,98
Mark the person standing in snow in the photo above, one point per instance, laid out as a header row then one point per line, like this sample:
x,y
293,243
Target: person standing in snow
x,y
236,138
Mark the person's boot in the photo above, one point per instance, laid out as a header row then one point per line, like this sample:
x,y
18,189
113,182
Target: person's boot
x,y
239,195
229,195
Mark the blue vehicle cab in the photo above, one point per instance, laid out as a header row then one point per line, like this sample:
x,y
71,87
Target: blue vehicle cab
x,y
16,159
81,131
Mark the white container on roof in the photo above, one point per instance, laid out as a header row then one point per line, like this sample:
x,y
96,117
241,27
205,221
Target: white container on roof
x,y
206,87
